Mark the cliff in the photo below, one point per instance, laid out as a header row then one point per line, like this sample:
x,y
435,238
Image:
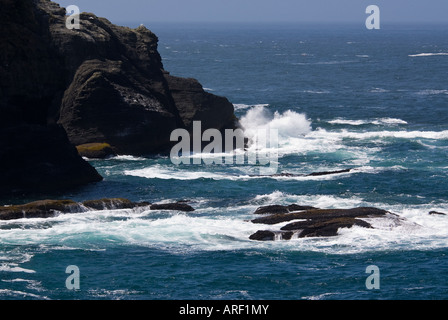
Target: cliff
x,y
102,84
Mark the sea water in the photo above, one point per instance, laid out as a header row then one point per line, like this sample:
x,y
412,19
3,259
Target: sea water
x,y
341,97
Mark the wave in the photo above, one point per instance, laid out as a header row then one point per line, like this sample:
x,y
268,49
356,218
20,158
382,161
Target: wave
x,y
430,92
317,91
378,90
241,106
429,54
288,124
20,294
342,134
14,268
126,158
334,62
240,173
381,121
212,228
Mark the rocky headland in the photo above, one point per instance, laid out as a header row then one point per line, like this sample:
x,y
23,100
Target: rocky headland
x,y
97,91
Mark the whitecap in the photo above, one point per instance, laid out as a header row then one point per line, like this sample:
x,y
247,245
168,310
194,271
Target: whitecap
x,y
435,135
429,54
380,121
429,92
14,268
241,106
21,294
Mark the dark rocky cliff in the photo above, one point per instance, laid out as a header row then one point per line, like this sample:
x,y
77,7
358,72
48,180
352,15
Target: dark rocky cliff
x,y
103,83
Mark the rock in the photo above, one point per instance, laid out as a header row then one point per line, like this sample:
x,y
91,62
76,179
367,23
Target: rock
x,y
177,206
313,174
38,209
263,235
195,104
322,214
95,150
36,154
120,93
40,159
278,209
50,208
113,102
324,228
328,172
109,204
437,213
316,222
103,83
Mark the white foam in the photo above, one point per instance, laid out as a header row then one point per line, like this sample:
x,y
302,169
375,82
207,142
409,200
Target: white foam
x,y
241,106
241,173
379,121
288,124
378,90
221,228
435,135
319,201
316,91
126,158
429,92
21,294
348,122
14,268
429,54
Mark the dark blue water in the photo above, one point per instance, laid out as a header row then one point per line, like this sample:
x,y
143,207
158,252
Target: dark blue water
x,y
340,97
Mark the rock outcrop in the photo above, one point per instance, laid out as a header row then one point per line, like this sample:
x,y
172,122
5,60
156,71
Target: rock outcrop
x,y
52,208
178,206
95,150
119,92
103,84
313,222
35,153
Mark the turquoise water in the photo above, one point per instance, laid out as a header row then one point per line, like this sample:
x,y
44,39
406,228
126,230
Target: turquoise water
x,y
341,97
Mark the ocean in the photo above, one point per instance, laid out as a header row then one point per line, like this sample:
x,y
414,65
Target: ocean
x,y
341,97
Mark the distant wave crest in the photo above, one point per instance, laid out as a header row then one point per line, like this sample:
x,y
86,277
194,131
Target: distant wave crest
x,y
429,54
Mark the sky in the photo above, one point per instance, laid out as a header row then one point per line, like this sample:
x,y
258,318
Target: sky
x,y
235,11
